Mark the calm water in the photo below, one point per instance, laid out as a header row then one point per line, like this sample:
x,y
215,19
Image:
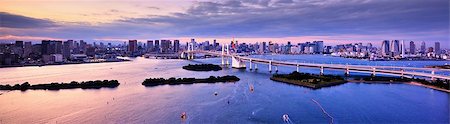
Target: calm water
x,y
133,103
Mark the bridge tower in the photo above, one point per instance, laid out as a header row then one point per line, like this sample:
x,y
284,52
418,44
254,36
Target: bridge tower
x,y
223,54
190,50
270,66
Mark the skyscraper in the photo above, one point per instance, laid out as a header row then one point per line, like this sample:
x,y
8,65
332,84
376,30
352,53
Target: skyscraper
x,y
412,47
51,47
319,47
150,46
214,45
437,48
385,48
402,49
132,45
423,47
19,44
176,46
165,44
66,49
157,48
395,47
27,49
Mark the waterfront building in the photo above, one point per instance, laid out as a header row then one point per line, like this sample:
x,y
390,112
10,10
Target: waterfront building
x,y
423,47
402,49
437,48
27,49
51,47
66,49
385,48
132,45
150,46
318,47
176,45
395,47
157,48
412,47
165,45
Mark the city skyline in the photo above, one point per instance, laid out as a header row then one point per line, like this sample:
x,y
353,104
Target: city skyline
x,y
364,21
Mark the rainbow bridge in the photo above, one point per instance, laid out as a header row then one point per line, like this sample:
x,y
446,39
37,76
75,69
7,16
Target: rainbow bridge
x,y
240,62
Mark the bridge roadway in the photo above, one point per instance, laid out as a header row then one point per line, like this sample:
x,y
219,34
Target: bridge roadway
x,y
386,70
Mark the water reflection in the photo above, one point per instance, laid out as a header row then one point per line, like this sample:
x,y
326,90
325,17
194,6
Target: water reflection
x,y
133,103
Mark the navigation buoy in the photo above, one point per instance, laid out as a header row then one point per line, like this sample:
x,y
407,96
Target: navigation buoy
x,y
215,93
251,88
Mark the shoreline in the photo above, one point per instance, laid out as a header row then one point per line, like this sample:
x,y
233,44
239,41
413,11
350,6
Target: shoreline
x,y
33,65
396,82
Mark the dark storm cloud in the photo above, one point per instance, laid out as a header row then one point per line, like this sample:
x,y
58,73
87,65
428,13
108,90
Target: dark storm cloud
x,y
17,21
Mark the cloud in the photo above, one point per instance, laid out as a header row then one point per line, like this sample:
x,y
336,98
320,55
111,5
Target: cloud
x,y
364,19
9,20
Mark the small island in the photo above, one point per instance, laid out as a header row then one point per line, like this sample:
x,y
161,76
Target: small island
x,y
309,80
202,67
175,81
57,86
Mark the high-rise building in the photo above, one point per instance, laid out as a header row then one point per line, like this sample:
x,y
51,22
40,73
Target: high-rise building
x,y
27,49
157,48
150,46
402,49
319,47
19,44
412,47
395,47
214,45
437,48
51,47
132,45
206,45
82,47
423,47
165,45
176,46
263,47
385,48
66,49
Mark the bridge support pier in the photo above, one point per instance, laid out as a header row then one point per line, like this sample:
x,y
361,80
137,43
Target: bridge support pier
x,y
321,70
250,64
270,66
256,67
432,77
276,69
237,63
403,74
373,72
298,70
347,71
223,61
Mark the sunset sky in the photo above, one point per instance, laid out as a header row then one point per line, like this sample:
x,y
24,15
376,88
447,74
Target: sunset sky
x,y
333,21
